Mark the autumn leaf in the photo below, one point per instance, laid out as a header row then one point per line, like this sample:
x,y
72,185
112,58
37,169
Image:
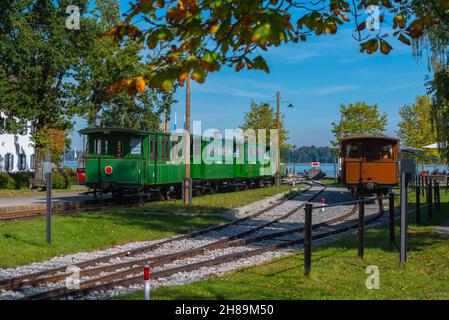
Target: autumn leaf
x,y
404,39
140,85
385,47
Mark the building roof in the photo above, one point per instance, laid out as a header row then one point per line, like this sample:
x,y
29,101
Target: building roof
x,y
369,138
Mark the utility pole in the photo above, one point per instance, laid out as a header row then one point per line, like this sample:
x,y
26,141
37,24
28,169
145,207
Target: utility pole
x,y
278,162
187,180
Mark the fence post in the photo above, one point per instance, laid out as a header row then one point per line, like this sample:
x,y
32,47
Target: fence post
x,y
429,192
437,195
392,222
308,238
418,206
404,222
361,232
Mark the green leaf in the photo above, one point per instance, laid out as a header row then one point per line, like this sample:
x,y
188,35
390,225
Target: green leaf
x,y
260,64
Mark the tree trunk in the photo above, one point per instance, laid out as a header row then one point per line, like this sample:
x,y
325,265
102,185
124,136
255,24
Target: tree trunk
x,y
38,163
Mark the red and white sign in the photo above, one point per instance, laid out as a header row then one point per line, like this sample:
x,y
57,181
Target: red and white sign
x,y
315,164
108,170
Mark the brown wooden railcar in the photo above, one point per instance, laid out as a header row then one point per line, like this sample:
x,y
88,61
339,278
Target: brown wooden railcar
x,y
369,164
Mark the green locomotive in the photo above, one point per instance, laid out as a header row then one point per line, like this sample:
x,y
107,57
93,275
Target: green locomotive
x,y
122,161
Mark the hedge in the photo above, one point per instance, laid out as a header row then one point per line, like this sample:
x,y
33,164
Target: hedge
x,y
62,178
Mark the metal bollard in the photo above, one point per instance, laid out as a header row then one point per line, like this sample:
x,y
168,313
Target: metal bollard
x,y
361,231
146,282
391,219
418,206
308,238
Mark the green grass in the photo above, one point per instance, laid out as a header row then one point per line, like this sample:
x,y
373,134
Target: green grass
x,y
22,242
337,272
214,203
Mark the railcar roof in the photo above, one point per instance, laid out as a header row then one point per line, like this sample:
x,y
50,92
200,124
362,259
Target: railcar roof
x,y
370,138
109,130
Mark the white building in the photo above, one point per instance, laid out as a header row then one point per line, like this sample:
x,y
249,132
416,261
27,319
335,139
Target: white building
x,y
16,151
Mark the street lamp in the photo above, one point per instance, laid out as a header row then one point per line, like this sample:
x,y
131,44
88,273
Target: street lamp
x,y
98,119
278,117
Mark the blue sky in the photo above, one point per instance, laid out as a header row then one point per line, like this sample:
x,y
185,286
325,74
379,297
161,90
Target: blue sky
x,y
316,76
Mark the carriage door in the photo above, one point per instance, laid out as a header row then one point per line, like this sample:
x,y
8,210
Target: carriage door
x,y
152,163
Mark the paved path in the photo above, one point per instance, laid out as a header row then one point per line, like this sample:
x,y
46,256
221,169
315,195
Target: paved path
x,y
40,199
443,229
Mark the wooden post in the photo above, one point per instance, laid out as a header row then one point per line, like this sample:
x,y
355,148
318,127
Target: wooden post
x,y
404,218
437,195
308,238
429,192
418,205
392,221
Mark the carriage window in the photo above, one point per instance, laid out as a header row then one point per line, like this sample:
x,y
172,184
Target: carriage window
x,y
106,147
119,149
370,152
386,152
135,146
354,150
97,146
165,150
153,150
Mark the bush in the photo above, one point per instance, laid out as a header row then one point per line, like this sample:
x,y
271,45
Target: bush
x,y
6,181
21,179
58,181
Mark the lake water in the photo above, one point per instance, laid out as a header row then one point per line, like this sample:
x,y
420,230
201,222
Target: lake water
x,y
329,169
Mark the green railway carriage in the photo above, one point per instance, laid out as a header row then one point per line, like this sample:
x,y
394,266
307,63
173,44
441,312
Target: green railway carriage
x,y
126,160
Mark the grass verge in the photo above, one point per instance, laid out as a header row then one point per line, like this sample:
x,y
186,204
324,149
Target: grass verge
x,y
214,203
6,193
22,242
337,272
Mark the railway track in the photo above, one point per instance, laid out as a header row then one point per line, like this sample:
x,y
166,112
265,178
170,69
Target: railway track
x,y
64,208
17,282
104,274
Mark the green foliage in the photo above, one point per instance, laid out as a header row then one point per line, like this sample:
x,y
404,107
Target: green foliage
x,y
58,181
306,154
106,62
415,129
21,179
262,116
141,112
38,58
200,36
359,119
6,181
